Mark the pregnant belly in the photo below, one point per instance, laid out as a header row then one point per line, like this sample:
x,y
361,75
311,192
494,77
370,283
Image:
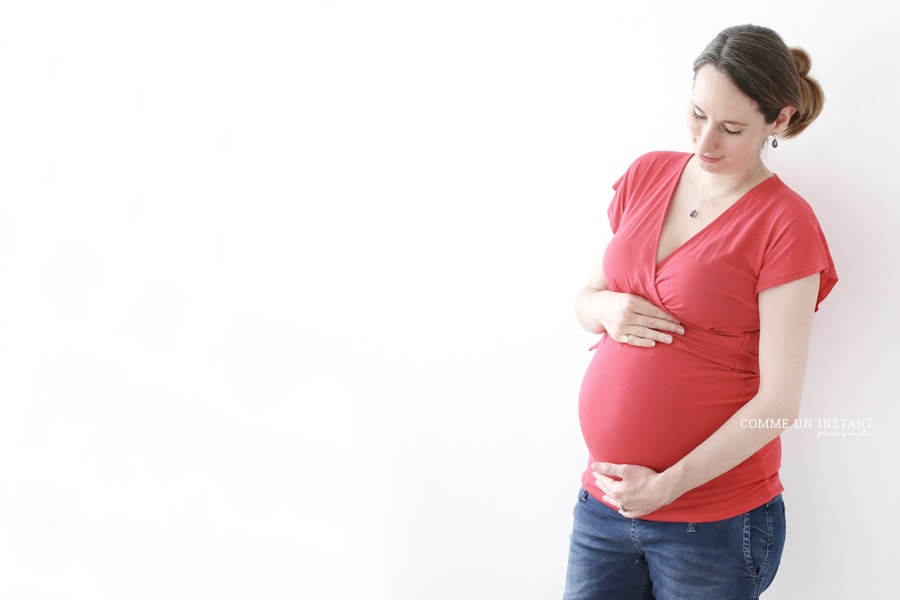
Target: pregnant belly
x,y
651,406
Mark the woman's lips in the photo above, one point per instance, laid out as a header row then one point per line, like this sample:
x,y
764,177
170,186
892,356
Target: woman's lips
x,y
709,159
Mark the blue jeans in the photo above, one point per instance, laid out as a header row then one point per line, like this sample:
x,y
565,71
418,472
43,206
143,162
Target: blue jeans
x,y
612,557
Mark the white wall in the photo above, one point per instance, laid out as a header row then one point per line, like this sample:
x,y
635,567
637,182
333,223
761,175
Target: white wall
x,y
286,303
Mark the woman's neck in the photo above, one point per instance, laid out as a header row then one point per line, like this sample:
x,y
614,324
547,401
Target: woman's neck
x,y
714,184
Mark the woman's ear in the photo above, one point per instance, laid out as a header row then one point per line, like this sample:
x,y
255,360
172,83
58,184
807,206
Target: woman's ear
x,y
782,120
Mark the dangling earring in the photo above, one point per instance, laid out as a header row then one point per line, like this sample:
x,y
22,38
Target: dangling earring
x,y
774,141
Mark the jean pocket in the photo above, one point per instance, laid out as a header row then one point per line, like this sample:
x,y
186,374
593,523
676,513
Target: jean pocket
x,y
763,539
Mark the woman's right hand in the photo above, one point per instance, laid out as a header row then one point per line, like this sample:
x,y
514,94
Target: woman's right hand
x,y
630,319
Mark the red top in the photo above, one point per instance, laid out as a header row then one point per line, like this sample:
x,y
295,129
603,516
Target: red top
x,y
652,406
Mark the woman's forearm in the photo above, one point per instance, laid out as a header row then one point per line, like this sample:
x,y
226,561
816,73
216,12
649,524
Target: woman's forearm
x,y
786,320
734,442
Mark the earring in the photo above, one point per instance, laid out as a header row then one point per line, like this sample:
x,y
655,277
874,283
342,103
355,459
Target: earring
x,y
774,141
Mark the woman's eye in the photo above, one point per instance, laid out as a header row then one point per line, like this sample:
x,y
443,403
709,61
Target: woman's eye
x,y
700,117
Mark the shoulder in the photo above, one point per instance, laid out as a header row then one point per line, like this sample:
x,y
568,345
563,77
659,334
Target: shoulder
x,y
660,159
783,203
652,168
784,217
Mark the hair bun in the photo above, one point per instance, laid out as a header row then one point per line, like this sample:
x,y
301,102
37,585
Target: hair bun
x,y
811,94
802,60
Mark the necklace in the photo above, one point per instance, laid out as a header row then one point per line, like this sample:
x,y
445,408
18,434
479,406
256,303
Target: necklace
x,y
700,197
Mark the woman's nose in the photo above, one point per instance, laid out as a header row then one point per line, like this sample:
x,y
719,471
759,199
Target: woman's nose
x,y
707,140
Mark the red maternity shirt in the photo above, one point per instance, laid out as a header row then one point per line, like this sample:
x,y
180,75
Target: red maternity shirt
x,y
652,406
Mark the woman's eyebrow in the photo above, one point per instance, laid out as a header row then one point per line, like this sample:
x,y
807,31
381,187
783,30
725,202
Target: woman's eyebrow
x,y
730,122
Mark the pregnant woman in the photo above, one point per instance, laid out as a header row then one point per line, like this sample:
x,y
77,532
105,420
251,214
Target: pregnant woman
x,y
705,296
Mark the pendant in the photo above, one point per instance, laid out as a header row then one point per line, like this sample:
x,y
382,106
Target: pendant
x,y
693,213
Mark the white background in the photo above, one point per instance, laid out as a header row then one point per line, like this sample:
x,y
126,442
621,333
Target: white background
x,y
286,289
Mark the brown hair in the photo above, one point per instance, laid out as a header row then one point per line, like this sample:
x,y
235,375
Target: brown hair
x,y
761,65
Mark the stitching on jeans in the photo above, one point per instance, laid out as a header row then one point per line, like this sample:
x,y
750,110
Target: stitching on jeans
x,y
634,538
758,576
770,535
765,563
765,566
748,554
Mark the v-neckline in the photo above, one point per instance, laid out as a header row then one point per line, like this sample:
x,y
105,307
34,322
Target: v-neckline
x,y
659,227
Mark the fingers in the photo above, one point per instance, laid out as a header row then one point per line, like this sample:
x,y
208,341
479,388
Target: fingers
x,y
644,325
649,331
607,468
627,488
665,323
659,324
608,477
644,337
654,313
634,321
615,502
611,495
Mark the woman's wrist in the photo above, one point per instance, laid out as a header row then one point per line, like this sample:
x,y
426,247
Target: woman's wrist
x,y
671,481
587,309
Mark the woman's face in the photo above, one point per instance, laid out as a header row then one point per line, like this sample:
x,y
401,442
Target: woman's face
x,y
727,128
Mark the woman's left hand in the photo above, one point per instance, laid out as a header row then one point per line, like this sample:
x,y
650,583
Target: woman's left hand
x,y
636,490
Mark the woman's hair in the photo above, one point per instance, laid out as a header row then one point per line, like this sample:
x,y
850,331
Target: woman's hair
x,y
761,65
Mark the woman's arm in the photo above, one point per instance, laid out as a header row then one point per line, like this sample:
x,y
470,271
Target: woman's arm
x,y
785,314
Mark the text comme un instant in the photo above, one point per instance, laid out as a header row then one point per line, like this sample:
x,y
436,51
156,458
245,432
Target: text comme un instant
x,y
821,423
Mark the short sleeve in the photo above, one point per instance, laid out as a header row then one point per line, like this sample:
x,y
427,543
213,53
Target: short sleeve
x,y
643,179
617,205
797,248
